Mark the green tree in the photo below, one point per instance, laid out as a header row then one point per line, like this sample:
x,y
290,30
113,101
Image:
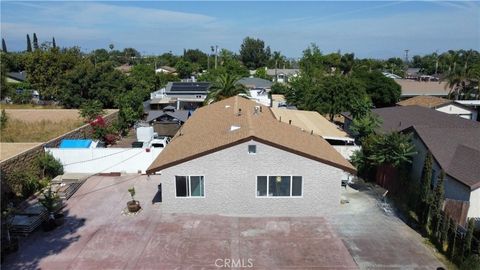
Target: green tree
x,y
332,95
54,44
393,149
445,228
347,63
196,56
279,88
184,68
383,91
253,53
312,61
130,109
29,44
49,166
468,237
261,73
4,46
452,239
90,109
437,204
35,42
45,69
225,86
425,191
3,119
364,126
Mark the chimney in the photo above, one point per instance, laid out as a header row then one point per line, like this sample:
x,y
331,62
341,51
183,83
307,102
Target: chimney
x,y
289,122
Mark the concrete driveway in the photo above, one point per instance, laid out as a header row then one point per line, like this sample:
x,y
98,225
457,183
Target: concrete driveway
x,y
98,235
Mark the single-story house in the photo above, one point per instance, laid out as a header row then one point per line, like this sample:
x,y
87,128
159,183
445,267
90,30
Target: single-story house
x,y
168,121
283,75
455,146
233,157
441,105
411,88
256,83
166,70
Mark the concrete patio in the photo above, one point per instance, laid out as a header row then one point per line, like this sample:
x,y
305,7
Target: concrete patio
x,y
98,235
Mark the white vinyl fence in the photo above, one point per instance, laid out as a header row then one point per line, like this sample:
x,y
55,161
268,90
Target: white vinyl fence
x,y
105,160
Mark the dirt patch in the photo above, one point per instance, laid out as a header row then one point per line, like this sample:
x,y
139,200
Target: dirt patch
x,y
8,150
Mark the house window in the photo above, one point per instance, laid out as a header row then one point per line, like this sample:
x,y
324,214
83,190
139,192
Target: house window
x,y
190,186
279,186
252,149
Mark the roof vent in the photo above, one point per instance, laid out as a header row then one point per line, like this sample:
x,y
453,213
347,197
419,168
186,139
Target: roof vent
x,y
239,112
233,128
256,109
227,106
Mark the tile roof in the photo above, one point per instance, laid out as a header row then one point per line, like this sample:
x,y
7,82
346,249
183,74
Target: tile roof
x,y
453,141
425,101
209,130
419,88
310,121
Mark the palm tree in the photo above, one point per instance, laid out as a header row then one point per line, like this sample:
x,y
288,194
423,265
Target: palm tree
x,y
225,86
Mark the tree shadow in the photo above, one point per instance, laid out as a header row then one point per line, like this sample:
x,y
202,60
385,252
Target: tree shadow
x,y
40,244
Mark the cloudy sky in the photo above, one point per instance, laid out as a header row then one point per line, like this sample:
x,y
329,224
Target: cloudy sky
x,y
377,29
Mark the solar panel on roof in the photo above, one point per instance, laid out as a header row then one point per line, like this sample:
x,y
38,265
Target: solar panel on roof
x,y
189,87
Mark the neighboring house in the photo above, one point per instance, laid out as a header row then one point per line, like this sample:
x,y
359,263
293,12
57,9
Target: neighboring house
x,y
182,95
260,96
16,77
411,88
441,105
413,73
391,75
278,101
283,75
455,146
125,68
233,157
167,121
166,70
256,83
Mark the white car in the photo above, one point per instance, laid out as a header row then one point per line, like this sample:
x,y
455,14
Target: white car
x,y
159,142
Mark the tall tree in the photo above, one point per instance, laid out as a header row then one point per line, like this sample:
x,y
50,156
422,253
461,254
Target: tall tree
x,y
253,53
4,46
29,44
437,203
224,87
35,42
469,236
425,193
54,44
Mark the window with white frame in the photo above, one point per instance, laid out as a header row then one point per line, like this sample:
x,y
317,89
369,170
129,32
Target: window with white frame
x,y
189,186
279,186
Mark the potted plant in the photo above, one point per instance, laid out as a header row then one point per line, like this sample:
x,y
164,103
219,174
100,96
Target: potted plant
x,y
50,201
133,205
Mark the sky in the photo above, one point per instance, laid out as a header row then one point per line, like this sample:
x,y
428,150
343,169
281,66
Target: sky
x,y
379,29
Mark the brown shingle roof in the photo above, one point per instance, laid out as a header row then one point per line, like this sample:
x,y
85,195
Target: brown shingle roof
x,y
453,141
418,88
209,130
424,101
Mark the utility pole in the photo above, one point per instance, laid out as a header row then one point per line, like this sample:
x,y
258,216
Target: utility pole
x,y
406,57
436,62
216,55
213,49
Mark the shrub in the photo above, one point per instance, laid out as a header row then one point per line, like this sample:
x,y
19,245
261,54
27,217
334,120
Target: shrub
x,y
49,166
471,263
91,109
22,183
3,119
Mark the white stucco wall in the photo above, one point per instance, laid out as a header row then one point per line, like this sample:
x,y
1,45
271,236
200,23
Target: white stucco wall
x,y
230,184
105,160
457,110
474,210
